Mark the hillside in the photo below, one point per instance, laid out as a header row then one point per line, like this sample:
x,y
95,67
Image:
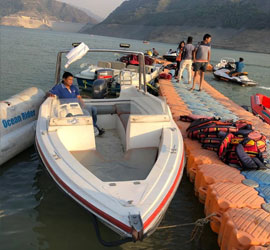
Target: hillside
x,y
206,13
37,13
231,22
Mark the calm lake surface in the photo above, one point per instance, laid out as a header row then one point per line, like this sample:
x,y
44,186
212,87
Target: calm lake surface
x,y
34,212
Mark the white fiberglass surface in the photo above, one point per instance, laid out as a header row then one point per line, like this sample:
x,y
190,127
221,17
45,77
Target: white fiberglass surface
x,y
67,107
110,163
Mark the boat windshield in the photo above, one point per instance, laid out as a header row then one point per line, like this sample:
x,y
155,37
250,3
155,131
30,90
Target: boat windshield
x,y
67,107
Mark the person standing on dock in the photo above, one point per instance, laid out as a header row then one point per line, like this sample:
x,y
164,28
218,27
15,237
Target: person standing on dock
x,y
178,59
201,55
186,60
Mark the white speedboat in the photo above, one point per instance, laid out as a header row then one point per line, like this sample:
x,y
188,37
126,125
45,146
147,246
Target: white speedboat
x,y
126,177
123,73
241,78
225,62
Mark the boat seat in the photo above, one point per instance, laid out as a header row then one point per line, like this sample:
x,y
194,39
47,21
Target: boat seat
x,y
126,108
103,64
136,164
118,65
148,69
145,130
124,119
106,109
123,110
134,68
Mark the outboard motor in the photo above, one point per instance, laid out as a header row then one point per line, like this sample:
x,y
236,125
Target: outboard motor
x,y
100,89
106,74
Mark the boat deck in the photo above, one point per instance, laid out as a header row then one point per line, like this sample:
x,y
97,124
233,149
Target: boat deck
x,y
241,211
110,163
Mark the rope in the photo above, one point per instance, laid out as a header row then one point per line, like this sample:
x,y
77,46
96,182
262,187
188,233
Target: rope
x,y
198,222
110,243
178,225
197,230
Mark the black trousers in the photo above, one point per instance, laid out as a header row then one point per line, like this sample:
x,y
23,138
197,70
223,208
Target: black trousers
x,y
177,68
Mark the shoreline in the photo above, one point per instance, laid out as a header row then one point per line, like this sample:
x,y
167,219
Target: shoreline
x,y
63,27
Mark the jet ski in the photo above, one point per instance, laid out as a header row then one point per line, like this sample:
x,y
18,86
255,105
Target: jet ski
x,y
225,63
238,78
170,56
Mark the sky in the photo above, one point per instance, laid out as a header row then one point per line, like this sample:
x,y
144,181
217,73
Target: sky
x,y
101,8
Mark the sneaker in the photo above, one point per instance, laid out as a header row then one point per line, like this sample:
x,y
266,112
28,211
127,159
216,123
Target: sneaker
x,y
101,131
96,131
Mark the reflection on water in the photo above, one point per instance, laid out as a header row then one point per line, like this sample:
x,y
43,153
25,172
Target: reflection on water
x,y
19,196
34,212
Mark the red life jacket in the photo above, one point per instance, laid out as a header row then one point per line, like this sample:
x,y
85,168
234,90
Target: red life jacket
x,y
238,149
202,127
134,60
234,142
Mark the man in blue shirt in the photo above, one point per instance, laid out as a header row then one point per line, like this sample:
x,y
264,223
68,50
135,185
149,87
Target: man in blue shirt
x,y
66,90
239,67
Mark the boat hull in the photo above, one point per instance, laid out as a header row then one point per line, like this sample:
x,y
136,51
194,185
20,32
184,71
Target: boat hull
x,y
115,225
18,116
260,105
171,58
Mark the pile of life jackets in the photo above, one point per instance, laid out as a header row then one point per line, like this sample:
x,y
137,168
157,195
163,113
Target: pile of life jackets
x,y
234,142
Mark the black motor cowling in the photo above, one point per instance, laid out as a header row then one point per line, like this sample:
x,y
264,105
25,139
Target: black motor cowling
x,y
106,74
100,89
104,78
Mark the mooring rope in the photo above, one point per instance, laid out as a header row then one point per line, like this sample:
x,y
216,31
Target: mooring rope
x,y
197,230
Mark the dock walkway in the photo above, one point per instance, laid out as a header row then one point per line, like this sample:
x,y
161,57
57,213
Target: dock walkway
x,y
240,199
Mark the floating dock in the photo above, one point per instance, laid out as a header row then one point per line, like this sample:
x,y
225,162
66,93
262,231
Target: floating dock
x,y
240,199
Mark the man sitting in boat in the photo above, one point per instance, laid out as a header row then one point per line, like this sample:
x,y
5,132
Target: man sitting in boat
x,y
66,90
155,53
239,67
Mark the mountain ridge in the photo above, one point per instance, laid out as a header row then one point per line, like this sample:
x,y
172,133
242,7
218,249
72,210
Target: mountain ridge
x,y
234,24
50,10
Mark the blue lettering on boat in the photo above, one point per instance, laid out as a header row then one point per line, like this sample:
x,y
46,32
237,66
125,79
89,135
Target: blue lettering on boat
x,y
28,114
14,120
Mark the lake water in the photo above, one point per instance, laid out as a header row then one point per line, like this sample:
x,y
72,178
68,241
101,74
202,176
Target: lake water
x,y
34,213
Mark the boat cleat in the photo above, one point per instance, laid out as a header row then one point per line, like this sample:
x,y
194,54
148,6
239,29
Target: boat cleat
x,y
135,222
